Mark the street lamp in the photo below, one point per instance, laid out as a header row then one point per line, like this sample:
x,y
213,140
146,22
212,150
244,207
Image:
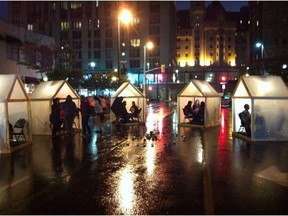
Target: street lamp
x,y
148,45
262,48
262,55
125,17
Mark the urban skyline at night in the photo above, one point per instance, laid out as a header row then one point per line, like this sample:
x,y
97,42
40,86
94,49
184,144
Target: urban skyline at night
x,y
181,5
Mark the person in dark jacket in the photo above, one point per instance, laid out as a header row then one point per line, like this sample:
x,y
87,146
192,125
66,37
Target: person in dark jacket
x,y
85,110
199,118
55,119
70,111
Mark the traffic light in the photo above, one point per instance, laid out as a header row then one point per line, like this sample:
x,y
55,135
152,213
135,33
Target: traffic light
x,y
223,78
162,68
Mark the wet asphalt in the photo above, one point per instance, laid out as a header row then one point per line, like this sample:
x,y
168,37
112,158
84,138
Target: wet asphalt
x,y
127,170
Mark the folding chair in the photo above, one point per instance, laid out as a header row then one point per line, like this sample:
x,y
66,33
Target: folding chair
x,y
18,131
242,127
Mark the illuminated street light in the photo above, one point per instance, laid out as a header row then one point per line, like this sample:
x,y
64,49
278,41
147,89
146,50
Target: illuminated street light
x,y
284,66
125,17
262,48
262,55
148,45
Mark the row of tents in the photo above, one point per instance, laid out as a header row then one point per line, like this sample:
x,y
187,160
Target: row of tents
x,y
266,95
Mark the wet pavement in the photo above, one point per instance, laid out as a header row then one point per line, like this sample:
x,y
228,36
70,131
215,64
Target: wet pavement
x,y
176,170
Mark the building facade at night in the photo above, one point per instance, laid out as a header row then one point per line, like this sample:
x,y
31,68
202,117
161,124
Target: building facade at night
x,y
19,52
268,27
208,43
90,29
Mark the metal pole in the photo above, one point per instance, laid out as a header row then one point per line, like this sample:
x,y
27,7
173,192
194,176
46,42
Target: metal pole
x,y
262,52
118,53
144,72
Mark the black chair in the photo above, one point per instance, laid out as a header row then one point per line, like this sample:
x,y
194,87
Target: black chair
x,y
242,126
17,132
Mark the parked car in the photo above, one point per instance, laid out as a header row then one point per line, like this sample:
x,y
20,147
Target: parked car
x,y
226,101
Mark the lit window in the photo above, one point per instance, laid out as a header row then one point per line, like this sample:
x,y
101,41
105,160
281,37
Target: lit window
x,y
76,5
76,25
30,27
136,20
135,42
64,25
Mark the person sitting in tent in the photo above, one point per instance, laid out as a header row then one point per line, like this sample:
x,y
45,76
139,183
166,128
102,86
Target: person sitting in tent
x,y
115,107
119,109
188,111
245,118
200,116
134,110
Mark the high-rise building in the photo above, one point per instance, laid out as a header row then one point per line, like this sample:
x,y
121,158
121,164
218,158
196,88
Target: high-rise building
x,y
206,43
89,29
269,21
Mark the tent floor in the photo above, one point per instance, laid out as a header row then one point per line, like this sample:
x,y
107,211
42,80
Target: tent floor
x,y
191,125
241,136
131,123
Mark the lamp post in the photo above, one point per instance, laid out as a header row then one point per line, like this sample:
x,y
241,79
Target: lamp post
x,y
148,45
262,55
125,17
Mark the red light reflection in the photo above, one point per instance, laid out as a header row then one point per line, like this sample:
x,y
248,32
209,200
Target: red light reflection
x,y
222,163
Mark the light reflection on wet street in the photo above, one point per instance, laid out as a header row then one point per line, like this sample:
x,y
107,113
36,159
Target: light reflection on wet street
x,y
156,168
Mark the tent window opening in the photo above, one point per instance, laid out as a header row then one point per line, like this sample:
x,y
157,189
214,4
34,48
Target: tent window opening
x,y
12,51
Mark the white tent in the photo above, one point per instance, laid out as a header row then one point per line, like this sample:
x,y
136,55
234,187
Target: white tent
x,y
14,105
130,93
200,90
41,102
267,97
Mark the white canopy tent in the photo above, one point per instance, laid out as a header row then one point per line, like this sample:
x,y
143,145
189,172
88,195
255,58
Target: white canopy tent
x,y
267,97
41,102
200,90
130,93
14,105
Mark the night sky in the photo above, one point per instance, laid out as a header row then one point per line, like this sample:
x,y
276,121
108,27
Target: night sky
x,y
181,5
228,5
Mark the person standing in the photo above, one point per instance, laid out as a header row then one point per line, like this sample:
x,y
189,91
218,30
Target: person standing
x,y
55,119
246,119
99,114
85,110
70,111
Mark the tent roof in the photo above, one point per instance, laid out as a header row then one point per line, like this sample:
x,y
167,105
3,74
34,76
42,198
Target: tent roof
x,y
261,87
11,88
51,89
127,90
200,88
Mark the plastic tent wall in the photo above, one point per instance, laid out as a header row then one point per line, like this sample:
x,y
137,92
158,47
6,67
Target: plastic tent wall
x,y
14,104
130,93
41,102
200,90
268,99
